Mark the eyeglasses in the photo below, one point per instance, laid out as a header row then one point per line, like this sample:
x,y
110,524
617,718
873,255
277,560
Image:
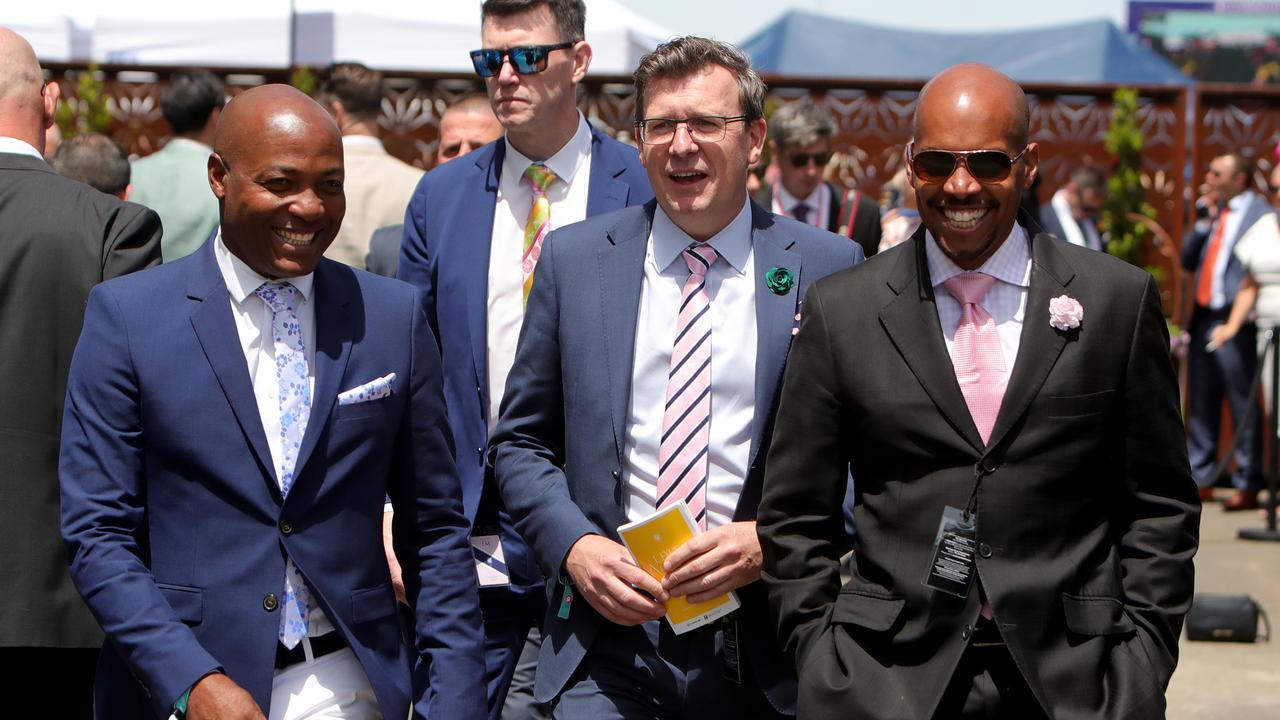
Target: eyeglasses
x,y
525,59
800,160
986,166
708,129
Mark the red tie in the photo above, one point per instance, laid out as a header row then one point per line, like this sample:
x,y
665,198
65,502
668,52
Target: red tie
x,y
1204,284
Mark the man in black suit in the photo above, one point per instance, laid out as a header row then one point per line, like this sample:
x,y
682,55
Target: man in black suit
x,y
1073,211
800,145
58,238
1021,552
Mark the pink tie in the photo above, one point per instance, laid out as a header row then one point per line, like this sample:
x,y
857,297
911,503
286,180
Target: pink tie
x,y
686,421
977,358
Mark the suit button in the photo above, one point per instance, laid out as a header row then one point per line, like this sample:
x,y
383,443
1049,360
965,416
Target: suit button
x,y
270,603
286,527
989,466
966,632
984,550
617,475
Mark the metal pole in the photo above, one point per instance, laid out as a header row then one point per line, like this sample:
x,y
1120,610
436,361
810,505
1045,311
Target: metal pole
x,y
1273,424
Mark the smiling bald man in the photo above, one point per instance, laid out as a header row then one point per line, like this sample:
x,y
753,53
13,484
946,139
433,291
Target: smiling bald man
x,y
1025,511
234,422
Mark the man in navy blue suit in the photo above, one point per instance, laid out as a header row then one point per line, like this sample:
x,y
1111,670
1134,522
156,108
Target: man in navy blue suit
x,y
473,234
647,372
234,423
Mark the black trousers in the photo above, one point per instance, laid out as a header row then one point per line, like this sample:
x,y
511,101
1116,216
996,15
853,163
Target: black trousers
x,y
987,684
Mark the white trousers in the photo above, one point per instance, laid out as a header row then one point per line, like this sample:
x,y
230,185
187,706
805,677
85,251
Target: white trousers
x,y
332,687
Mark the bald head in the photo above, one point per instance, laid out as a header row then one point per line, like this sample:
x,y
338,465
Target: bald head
x,y
26,106
968,92
269,110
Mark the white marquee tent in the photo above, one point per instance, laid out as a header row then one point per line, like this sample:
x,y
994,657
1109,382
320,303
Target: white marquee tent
x,y
431,35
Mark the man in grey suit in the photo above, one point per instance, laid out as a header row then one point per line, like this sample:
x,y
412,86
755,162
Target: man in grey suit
x,y
647,373
58,238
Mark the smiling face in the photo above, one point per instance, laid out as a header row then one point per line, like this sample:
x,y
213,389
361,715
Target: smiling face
x,y
701,186
539,104
972,108
277,173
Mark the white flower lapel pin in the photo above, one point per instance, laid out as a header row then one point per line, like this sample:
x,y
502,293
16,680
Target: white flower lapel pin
x,y
1065,313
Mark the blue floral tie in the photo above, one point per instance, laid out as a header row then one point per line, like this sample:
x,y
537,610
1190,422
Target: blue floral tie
x,y
295,408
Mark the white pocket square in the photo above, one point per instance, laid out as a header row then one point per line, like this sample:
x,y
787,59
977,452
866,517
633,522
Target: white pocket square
x,y
371,390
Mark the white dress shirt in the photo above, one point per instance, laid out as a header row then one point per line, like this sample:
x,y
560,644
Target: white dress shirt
x,y
568,197
1078,232
731,290
254,319
18,147
1239,206
1006,301
819,202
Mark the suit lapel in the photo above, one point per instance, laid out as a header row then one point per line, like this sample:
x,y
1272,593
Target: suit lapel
x,y
621,278
1039,345
215,328
478,223
335,285
775,317
911,320
605,192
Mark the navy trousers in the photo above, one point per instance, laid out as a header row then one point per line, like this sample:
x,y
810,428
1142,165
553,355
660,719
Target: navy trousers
x,y
1226,372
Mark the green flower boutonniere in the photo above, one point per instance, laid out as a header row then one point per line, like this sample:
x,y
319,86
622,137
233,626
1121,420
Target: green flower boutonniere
x,y
779,280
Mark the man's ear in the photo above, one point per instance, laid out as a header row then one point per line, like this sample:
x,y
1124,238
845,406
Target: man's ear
x,y
52,91
581,60
218,176
1032,161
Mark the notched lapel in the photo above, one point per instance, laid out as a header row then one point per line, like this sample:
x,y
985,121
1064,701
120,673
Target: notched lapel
x,y
216,331
911,320
1040,345
335,289
621,265
477,243
775,317
605,192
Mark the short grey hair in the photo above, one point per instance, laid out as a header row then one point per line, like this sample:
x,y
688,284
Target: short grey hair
x,y
685,56
800,124
95,160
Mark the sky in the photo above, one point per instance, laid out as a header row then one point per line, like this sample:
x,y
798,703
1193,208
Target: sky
x,y
735,20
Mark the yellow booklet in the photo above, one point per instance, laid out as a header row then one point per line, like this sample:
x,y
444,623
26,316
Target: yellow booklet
x,y
651,540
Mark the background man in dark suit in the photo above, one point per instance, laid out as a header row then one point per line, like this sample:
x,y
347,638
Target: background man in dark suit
x,y
235,420
1073,211
688,302
1069,511
800,145
473,234
1222,371
58,238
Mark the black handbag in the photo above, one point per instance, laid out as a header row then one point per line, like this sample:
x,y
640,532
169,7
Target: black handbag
x,y
1226,618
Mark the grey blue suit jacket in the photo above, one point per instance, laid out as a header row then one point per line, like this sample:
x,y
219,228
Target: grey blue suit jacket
x,y
559,446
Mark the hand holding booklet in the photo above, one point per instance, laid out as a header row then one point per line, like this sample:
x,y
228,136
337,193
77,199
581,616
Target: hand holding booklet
x,y
651,540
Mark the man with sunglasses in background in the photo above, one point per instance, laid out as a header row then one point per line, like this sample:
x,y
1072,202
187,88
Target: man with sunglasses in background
x,y
473,234
800,144
647,374
1025,511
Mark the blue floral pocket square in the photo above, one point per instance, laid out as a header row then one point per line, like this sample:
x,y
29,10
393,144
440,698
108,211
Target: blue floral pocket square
x,y
371,390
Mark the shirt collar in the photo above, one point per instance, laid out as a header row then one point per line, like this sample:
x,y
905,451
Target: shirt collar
x,y
789,201
733,243
196,144
243,281
565,163
18,147
1242,201
1010,263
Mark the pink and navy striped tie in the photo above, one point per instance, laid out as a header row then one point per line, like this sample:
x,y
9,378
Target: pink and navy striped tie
x,y
686,422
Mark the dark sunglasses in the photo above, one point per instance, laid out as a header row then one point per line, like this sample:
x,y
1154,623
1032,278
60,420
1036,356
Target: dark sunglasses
x,y
986,166
525,59
799,160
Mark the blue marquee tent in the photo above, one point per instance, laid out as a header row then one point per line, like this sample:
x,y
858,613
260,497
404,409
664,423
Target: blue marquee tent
x,y
809,45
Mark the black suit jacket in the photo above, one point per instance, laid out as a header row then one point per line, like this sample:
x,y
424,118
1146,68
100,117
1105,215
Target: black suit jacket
x,y
58,238
1087,515
866,229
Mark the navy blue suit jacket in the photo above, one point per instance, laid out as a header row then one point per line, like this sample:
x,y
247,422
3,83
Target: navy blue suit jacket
x,y
447,233
1196,243
558,449
173,516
